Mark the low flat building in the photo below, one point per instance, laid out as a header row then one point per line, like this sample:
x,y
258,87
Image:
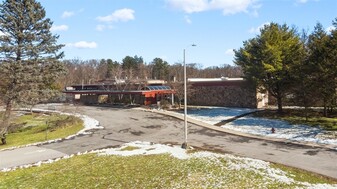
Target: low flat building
x,y
144,93
224,91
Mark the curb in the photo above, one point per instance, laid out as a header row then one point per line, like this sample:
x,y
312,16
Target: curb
x,y
232,132
84,131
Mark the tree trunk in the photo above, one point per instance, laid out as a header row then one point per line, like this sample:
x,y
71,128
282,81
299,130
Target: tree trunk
x,y
3,140
279,105
306,109
179,104
5,122
325,112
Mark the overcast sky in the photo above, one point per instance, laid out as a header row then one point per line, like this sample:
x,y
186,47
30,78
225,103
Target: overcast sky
x,y
95,29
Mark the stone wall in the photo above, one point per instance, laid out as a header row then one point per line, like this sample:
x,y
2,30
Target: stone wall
x,y
228,96
89,99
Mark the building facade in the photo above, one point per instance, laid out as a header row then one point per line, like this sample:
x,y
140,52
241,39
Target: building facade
x,y
227,92
130,92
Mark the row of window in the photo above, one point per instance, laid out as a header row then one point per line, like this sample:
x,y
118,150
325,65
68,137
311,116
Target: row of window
x,y
158,88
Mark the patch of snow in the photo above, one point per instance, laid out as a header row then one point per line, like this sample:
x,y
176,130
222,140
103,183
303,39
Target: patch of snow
x,y
262,126
260,167
320,186
146,148
213,115
88,122
233,162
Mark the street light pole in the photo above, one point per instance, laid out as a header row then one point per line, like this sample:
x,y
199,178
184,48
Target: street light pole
x,y
185,145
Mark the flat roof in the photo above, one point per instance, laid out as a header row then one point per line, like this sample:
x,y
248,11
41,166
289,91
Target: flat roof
x,y
222,79
119,91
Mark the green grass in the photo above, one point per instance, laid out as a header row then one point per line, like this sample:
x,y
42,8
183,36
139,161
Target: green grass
x,y
32,128
129,148
299,176
297,116
152,171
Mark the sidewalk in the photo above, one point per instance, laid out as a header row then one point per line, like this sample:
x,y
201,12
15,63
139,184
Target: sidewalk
x,y
26,155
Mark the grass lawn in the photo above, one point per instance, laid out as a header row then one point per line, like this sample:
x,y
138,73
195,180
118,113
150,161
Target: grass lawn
x,y
39,127
297,116
152,171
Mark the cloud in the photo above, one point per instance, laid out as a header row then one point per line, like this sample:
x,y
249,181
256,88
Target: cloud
x,y
188,20
330,28
100,27
67,14
121,15
231,6
189,6
297,2
83,45
59,28
227,6
257,29
230,52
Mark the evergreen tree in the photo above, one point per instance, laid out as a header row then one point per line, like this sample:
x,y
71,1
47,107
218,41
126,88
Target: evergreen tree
x,y
304,89
112,66
28,54
269,58
332,45
320,64
129,65
160,69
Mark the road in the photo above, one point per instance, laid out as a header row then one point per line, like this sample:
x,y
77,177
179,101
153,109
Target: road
x,y
125,125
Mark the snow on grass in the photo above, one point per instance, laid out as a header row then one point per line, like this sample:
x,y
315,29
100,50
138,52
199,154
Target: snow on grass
x,y
213,115
234,163
261,172
262,126
259,167
88,123
146,148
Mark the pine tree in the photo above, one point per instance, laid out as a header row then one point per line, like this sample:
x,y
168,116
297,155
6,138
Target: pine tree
x,y
322,65
269,59
29,56
160,69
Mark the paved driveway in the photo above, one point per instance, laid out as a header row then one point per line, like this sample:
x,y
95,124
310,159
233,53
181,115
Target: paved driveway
x,y
125,125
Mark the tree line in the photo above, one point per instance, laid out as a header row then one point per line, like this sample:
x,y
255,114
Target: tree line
x,y
130,68
293,65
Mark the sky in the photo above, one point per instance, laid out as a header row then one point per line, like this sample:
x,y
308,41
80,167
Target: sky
x,y
96,29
